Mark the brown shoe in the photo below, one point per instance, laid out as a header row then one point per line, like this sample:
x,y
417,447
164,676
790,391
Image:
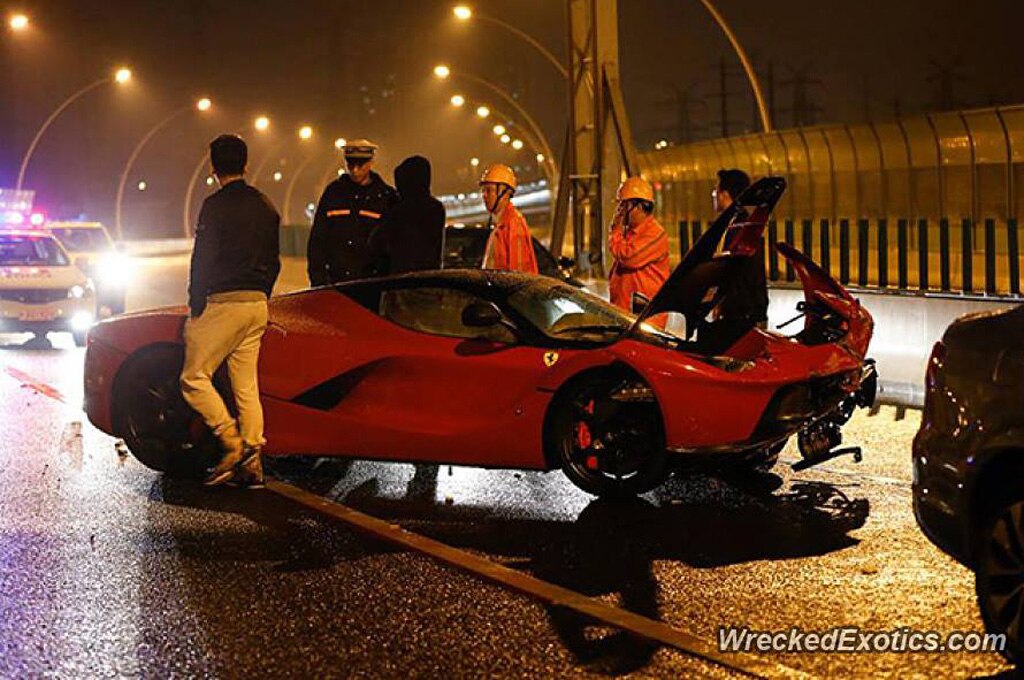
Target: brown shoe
x,y
248,474
233,447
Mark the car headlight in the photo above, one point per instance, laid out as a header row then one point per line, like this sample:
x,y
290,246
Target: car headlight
x,y
76,292
114,269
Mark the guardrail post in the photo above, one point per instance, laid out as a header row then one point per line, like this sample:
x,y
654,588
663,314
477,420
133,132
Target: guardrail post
x,y
1013,251
824,239
862,252
883,253
808,238
684,238
922,254
773,256
990,256
790,238
901,253
944,277
844,251
967,255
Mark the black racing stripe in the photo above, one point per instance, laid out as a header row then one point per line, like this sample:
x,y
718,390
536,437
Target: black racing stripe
x,y
327,395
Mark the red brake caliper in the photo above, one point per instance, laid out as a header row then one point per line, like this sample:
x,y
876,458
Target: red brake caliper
x,y
583,438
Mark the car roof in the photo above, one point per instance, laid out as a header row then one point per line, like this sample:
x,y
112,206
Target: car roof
x,y
38,233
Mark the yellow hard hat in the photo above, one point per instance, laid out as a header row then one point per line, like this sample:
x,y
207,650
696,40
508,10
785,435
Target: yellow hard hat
x,y
635,188
499,174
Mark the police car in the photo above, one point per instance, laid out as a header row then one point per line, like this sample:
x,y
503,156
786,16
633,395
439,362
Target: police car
x,y
92,250
41,289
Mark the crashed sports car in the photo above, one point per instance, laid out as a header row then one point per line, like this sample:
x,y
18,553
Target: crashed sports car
x,y
507,370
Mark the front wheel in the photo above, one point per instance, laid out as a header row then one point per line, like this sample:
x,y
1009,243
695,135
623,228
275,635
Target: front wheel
x,y
160,429
608,435
999,575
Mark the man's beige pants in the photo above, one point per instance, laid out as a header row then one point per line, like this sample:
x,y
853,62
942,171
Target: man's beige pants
x,y
230,328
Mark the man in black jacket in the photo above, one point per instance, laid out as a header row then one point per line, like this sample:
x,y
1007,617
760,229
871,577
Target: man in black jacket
x,y
350,210
746,295
412,233
235,262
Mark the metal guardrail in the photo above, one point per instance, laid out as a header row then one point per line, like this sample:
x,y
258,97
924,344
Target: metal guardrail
x,y
960,258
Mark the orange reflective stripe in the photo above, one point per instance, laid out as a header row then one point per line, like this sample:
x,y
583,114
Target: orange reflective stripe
x,y
339,213
369,213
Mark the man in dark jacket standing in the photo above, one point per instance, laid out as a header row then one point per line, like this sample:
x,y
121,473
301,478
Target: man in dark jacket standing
x,y
412,234
235,262
746,295
350,210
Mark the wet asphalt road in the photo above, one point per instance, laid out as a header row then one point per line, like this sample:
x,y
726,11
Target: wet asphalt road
x,y
107,568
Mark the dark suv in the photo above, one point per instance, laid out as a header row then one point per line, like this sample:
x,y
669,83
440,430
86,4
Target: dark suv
x,y
969,461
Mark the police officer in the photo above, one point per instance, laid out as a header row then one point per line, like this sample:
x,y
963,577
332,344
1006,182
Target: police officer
x,y
350,209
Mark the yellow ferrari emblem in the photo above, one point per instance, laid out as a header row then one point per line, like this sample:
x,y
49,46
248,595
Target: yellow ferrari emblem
x,y
550,359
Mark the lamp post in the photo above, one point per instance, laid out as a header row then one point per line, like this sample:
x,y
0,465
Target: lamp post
x,y
305,134
120,77
203,105
766,123
465,13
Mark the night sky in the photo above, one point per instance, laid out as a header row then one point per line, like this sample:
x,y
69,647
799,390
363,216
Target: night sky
x,y
357,69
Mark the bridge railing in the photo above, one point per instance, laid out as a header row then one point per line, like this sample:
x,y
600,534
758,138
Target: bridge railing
x,y
956,257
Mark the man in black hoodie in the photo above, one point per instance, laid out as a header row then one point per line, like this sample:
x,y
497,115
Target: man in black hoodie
x,y
350,210
412,235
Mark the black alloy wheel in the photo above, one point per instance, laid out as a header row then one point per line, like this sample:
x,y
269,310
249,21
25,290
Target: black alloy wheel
x,y
160,429
999,575
609,435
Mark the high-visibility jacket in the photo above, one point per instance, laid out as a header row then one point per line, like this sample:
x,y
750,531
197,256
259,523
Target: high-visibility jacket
x,y
641,261
509,246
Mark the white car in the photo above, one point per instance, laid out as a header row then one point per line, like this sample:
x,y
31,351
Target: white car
x,y
41,289
93,251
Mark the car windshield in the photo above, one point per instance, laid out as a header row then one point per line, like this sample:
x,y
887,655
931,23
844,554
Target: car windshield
x,y
35,251
77,239
563,312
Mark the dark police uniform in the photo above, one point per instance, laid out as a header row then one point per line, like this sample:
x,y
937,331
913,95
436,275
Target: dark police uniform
x,y
347,215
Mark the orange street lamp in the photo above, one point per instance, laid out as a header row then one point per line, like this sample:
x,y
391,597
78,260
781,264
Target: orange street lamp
x,y
122,76
203,105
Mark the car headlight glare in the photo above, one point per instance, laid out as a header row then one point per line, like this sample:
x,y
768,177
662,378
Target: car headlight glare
x,y
81,321
76,292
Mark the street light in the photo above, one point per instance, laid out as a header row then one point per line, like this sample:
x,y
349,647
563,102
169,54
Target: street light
x,y
540,158
442,71
505,139
18,22
278,176
499,129
483,111
464,13
262,124
305,132
122,76
474,161
340,143
517,144
142,185
202,105
458,100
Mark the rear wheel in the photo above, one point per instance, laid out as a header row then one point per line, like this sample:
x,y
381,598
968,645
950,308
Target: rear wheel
x,y
999,574
608,436
160,429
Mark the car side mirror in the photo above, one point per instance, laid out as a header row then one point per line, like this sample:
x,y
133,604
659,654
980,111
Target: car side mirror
x,y
481,315
639,302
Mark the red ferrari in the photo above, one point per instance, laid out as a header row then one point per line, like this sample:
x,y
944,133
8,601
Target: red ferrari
x,y
497,369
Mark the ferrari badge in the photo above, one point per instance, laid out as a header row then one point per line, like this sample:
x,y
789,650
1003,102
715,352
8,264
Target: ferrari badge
x,y
550,359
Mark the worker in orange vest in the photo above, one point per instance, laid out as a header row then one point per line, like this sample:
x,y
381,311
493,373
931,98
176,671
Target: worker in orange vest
x,y
638,244
509,246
